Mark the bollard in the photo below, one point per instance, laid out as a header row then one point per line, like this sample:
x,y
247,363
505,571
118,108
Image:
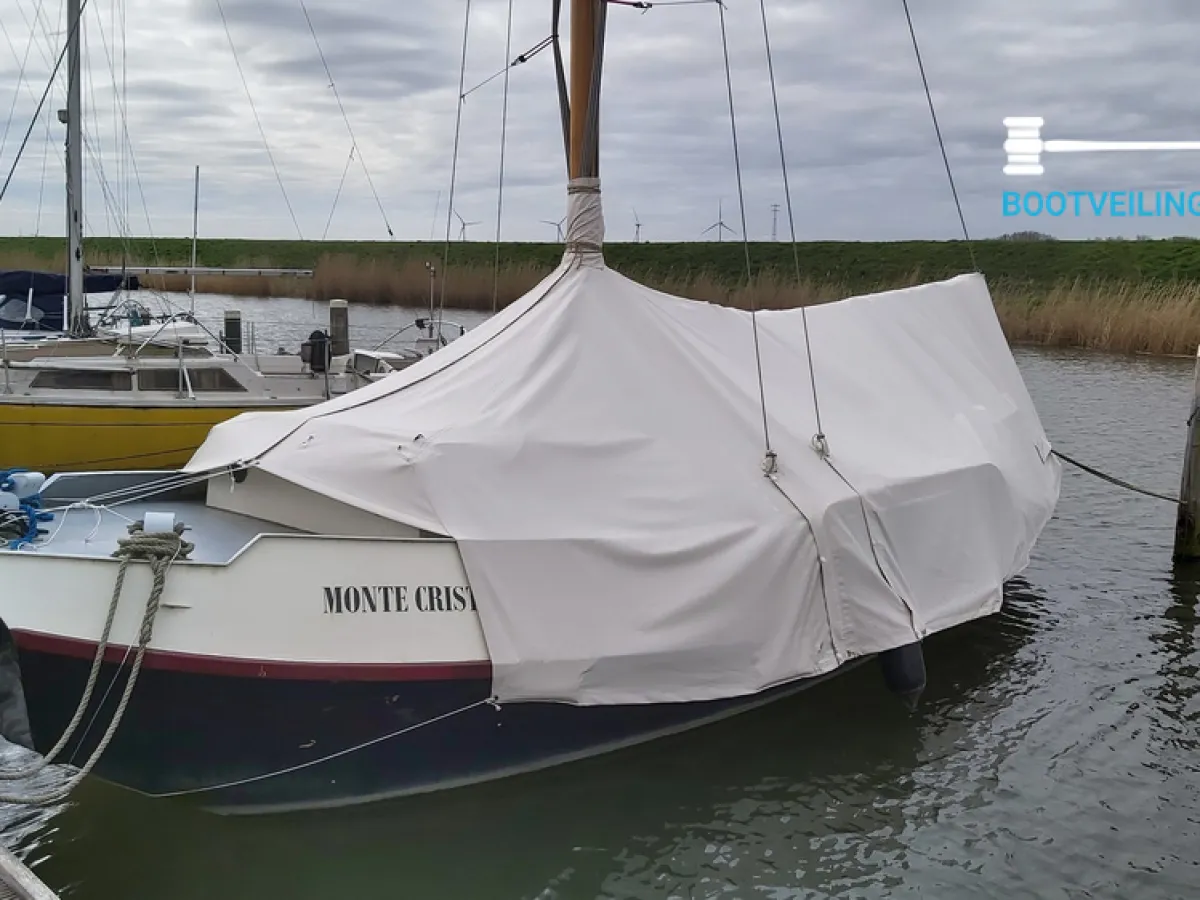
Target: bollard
x,y
339,327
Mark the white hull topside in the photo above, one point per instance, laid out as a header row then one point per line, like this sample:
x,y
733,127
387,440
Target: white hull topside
x,y
252,591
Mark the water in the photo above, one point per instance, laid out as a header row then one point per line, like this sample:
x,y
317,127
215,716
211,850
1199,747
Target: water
x,y
1054,755
284,322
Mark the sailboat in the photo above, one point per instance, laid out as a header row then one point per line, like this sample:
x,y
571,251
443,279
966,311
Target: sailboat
x,y
142,393
604,515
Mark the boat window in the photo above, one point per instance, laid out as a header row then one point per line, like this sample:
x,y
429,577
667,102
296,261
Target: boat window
x,y
83,380
203,380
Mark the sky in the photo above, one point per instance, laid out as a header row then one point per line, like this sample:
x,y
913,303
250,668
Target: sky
x,y
862,154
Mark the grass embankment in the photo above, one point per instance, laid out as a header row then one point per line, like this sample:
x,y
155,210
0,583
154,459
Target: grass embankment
x,y
1124,296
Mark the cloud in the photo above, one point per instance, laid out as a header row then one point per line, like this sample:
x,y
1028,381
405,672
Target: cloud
x,y
861,150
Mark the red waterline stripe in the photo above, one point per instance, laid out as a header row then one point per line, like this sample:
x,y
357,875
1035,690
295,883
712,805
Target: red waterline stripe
x,y
241,667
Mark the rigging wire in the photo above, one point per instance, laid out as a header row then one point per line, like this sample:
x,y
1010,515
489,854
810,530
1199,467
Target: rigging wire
x,y
46,59
37,112
112,197
257,121
120,131
646,5
522,58
503,136
346,119
938,131
737,165
819,441
338,194
591,126
93,110
462,72
37,223
20,79
560,82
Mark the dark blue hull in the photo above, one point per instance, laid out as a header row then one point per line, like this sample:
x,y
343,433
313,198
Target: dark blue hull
x,y
246,744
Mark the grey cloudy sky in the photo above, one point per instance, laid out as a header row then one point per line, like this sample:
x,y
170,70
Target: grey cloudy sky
x,y
861,150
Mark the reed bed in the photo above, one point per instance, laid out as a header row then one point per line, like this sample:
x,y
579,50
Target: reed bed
x,y
1153,316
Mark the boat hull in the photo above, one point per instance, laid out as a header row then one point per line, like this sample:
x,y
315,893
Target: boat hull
x,y
54,438
239,744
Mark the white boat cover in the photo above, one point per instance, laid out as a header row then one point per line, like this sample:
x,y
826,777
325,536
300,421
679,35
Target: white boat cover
x,y
596,449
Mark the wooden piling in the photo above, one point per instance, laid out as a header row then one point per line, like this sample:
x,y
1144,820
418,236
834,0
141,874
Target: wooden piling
x,y
1187,520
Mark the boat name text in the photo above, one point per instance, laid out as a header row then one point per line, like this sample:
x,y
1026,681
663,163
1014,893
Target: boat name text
x,y
385,598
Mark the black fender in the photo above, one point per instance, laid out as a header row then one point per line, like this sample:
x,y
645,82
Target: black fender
x,y
903,671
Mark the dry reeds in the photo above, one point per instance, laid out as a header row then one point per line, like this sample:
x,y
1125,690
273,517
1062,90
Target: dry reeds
x,y
1118,316
1149,316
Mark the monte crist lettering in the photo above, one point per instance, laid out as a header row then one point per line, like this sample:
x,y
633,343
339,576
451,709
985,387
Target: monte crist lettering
x,y
398,598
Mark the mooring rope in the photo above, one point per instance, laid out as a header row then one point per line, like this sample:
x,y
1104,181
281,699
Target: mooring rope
x,y
160,550
1112,479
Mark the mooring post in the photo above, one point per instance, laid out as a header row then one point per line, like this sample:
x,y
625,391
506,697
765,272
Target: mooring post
x,y
1187,521
339,327
233,331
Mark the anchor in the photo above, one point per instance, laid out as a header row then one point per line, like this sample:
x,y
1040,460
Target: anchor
x,y
1025,145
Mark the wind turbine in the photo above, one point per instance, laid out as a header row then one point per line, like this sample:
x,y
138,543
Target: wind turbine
x,y
719,224
558,225
462,229
637,228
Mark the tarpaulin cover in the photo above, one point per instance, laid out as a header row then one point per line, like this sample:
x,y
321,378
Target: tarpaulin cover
x,y
597,449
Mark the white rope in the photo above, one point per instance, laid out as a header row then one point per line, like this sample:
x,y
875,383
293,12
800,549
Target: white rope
x,y
489,701
159,550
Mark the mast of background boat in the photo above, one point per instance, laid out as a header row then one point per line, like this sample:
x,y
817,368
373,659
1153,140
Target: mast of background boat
x,y
195,231
73,118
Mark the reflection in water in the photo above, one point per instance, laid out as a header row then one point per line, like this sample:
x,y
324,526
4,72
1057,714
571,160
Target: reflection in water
x,y
815,790
1178,695
1053,755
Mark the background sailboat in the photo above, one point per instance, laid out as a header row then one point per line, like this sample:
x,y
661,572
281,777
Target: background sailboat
x,y
144,392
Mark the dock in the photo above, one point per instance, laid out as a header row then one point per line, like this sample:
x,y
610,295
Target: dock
x,y
17,881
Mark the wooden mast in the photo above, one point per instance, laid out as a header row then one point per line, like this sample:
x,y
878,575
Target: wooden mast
x,y
583,45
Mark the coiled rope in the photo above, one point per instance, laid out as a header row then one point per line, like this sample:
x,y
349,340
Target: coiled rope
x,y
160,550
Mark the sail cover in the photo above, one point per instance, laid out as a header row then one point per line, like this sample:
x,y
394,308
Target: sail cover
x,y
597,449
34,300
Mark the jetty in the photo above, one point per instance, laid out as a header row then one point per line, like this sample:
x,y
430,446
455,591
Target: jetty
x,y
17,881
